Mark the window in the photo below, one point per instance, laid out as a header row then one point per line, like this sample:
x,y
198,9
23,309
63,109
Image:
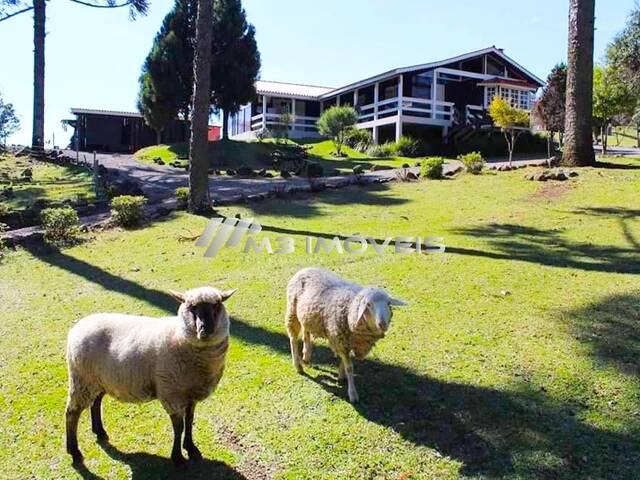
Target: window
x,y
515,97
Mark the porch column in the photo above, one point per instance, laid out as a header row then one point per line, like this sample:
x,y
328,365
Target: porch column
x,y
264,112
293,114
399,115
376,94
434,94
398,127
375,135
355,98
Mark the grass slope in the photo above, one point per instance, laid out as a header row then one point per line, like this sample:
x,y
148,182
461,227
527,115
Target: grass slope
x,y
50,182
516,358
257,155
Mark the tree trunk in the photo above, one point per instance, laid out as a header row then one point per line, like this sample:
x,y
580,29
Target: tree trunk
x,y
37,135
578,146
158,136
199,146
225,124
603,136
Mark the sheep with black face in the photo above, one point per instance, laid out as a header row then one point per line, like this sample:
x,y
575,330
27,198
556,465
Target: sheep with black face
x,y
177,360
351,317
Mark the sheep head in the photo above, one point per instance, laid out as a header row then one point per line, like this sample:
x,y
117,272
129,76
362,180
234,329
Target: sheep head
x,y
371,308
204,317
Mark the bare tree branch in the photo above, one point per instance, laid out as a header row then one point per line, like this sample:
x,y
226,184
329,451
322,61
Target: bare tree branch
x,y
11,15
107,5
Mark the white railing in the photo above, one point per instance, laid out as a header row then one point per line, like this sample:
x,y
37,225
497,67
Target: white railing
x,y
420,107
271,119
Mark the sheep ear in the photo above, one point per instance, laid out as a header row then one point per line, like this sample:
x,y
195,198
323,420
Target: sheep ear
x,y
227,293
177,295
397,302
362,308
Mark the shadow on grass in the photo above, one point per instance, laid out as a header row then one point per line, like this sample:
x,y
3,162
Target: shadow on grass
x,y
145,466
622,214
548,247
305,206
610,327
492,432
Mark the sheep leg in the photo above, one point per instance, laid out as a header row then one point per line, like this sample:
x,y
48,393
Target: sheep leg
x,y
293,328
96,419
189,446
351,386
177,420
72,416
307,348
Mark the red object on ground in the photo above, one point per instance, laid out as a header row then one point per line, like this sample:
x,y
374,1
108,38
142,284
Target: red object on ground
x,y
214,133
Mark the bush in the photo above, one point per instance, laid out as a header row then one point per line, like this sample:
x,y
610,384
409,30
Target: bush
x,y
61,225
3,246
335,122
128,210
382,151
358,139
432,167
473,162
407,147
4,209
182,196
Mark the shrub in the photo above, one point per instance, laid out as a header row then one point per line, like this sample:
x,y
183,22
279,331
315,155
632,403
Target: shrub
x,y
3,246
358,170
4,209
358,139
382,151
473,162
335,122
128,210
60,224
407,147
182,196
432,167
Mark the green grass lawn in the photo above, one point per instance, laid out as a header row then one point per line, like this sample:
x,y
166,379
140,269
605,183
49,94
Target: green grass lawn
x,y
625,137
517,357
257,155
50,182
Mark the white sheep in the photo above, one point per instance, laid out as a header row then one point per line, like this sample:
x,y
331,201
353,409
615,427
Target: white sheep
x,y
352,318
178,360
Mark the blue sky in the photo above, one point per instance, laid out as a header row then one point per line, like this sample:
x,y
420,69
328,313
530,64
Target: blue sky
x,y
93,56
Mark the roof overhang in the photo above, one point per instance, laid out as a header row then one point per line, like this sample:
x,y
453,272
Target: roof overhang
x,y
428,66
112,113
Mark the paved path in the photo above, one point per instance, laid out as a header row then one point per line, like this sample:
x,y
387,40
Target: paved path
x,y
159,183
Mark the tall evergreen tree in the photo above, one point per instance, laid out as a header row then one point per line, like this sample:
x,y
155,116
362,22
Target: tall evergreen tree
x,y
157,106
235,62
578,142
166,81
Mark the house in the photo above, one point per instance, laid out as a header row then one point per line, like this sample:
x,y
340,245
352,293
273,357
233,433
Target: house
x,y
431,101
114,131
